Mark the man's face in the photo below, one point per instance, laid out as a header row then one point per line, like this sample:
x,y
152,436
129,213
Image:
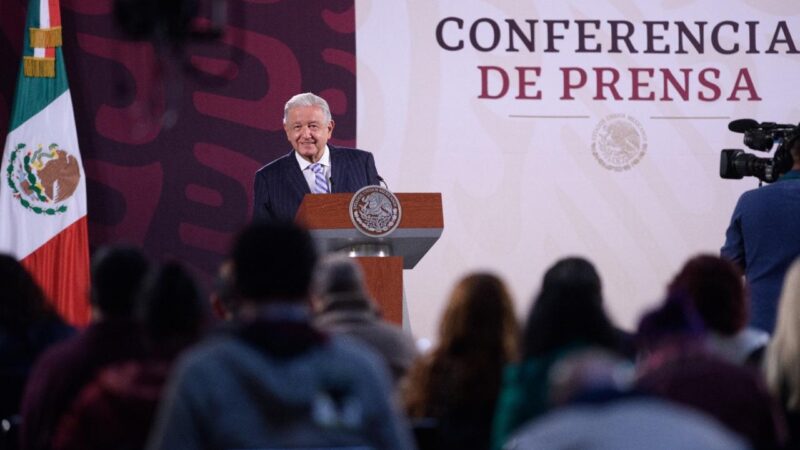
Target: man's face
x,y
307,131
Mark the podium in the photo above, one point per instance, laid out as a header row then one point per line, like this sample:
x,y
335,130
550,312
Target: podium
x,y
383,259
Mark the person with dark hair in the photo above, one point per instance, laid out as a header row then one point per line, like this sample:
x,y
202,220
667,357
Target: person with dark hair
x,y
342,305
676,366
566,316
28,326
273,380
117,408
762,239
171,312
457,384
113,336
715,286
569,309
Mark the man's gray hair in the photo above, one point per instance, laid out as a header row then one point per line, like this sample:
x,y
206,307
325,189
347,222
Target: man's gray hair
x,y
307,99
338,274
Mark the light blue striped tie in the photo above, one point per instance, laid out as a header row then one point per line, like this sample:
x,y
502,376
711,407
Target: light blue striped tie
x,y
320,183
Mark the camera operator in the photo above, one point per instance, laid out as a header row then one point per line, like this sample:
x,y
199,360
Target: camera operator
x,y
763,238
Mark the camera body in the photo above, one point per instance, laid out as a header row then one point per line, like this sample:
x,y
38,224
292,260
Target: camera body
x,y
735,164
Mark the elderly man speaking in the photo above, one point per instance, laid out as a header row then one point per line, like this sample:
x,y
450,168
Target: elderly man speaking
x,y
313,166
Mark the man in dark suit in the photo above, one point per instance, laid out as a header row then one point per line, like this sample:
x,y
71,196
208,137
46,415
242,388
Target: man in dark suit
x,y
313,166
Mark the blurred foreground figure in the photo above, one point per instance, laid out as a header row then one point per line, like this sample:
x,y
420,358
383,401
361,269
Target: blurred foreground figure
x,y
273,380
457,384
343,306
28,326
677,366
117,408
716,288
596,409
113,336
782,361
567,316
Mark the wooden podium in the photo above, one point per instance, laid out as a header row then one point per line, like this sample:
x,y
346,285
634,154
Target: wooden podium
x,y
383,259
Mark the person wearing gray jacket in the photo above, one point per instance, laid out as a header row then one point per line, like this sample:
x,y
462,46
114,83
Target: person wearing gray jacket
x,y
272,380
343,306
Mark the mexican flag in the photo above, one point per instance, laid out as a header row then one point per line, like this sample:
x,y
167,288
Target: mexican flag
x,y
43,189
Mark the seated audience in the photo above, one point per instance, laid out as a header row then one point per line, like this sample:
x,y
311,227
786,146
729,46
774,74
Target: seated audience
x,y
458,382
117,408
566,316
273,380
715,286
782,359
113,336
343,306
28,326
677,366
597,409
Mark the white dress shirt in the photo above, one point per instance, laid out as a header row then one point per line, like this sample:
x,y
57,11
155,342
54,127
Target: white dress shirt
x,y
309,174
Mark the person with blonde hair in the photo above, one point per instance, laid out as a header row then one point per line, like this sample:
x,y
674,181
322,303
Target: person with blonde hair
x,y
782,360
457,384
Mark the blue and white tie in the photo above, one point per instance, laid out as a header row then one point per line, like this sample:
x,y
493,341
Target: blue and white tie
x,y
320,183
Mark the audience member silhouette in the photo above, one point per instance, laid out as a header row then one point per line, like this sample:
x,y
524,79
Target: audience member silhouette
x,y
458,382
677,366
566,316
113,336
278,376
597,409
715,286
275,381
117,408
343,306
28,325
782,359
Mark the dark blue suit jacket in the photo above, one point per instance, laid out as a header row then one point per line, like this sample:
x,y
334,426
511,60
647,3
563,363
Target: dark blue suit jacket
x,y
762,238
280,185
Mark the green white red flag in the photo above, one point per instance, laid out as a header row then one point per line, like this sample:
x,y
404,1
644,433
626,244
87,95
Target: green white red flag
x,y
43,189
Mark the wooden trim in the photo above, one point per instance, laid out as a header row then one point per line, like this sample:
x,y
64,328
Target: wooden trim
x,y
384,279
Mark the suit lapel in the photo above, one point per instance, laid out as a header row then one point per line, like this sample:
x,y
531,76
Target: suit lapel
x,y
338,169
295,175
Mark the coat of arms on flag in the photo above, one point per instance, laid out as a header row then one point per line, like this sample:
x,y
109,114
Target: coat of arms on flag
x,y
43,179
43,193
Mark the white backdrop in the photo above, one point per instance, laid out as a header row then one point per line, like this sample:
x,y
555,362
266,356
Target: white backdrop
x,y
520,183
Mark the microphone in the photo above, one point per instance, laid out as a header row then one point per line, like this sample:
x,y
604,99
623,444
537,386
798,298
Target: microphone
x,y
742,125
382,181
